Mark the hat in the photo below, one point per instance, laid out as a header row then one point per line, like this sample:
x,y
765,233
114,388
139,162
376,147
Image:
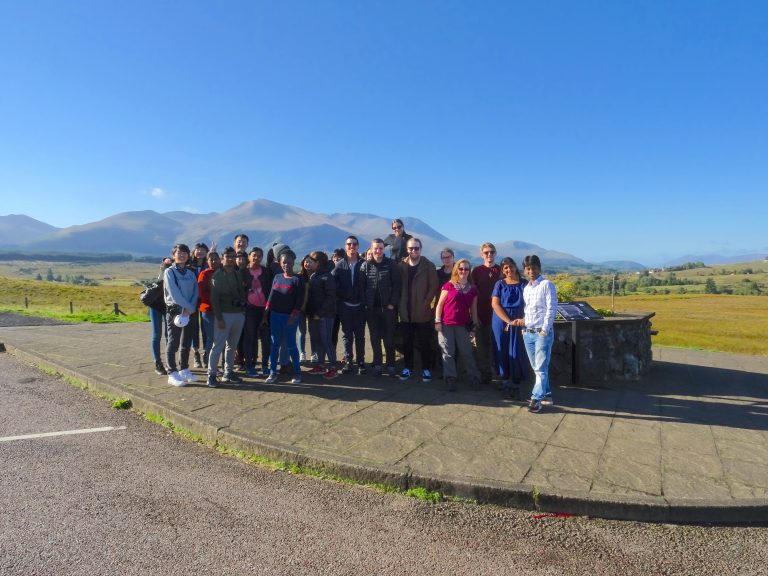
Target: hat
x,y
181,320
278,248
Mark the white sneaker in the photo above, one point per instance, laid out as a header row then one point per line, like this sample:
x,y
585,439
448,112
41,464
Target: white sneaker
x,y
302,357
175,379
187,376
271,378
313,358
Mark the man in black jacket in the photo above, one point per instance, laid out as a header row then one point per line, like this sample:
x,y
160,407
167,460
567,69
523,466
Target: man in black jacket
x,y
351,310
380,287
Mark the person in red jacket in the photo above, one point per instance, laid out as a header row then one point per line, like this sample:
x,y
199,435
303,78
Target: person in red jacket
x,y
206,311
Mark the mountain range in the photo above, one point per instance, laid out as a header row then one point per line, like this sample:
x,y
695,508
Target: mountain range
x,y
149,233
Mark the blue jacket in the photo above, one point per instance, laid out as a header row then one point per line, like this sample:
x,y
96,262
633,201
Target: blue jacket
x,y
347,290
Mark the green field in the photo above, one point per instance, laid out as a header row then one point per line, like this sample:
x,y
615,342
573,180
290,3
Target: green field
x,y
693,319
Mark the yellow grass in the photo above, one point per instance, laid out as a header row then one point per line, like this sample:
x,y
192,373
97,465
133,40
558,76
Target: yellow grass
x,y
702,321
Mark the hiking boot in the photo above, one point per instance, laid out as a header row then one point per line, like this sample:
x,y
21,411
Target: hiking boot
x,y
405,374
160,369
187,375
426,376
175,379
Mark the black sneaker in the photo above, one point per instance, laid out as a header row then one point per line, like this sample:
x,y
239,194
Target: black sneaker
x,y
361,369
534,406
231,378
347,369
160,369
212,382
196,362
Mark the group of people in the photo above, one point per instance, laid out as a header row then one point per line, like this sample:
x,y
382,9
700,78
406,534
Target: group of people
x,y
487,319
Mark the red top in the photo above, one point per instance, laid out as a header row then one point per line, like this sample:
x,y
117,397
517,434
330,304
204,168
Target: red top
x,y
204,289
457,305
484,278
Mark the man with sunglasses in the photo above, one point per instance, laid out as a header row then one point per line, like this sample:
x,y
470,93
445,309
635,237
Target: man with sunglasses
x,y
484,277
350,308
398,241
417,304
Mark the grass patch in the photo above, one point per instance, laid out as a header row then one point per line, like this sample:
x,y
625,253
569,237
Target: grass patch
x,y
423,494
122,404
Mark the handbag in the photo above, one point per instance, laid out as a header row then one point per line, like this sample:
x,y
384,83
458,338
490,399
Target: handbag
x,y
151,293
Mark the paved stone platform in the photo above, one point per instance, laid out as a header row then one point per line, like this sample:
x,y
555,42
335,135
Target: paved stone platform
x,y
687,444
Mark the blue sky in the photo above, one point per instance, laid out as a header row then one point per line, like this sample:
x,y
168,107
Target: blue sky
x,y
609,130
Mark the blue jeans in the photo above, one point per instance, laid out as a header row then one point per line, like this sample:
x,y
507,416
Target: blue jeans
x,y
157,319
207,324
539,349
281,331
323,329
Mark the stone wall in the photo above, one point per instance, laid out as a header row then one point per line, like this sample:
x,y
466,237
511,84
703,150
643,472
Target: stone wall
x,y
591,352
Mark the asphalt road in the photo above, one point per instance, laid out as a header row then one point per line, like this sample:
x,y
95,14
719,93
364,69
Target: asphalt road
x,y
140,500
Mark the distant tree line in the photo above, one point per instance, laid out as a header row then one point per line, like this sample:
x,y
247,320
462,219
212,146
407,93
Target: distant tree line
x,y
6,255
596,285
686,266
78,279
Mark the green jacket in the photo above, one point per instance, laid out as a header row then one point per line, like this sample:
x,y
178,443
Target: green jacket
x,y
227,292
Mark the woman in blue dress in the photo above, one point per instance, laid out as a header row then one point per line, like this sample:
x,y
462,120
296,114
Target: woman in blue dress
x,y
509,351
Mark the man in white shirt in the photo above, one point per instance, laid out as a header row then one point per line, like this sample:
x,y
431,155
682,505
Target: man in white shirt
x,y
540,297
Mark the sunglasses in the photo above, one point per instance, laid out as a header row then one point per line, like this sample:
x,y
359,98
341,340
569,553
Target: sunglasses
x,y
489,252
414,248
463,269
397,227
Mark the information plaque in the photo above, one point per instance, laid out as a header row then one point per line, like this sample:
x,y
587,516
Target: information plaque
x,y
577,311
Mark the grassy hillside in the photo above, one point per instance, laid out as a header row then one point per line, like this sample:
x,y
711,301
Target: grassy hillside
x,y
53,298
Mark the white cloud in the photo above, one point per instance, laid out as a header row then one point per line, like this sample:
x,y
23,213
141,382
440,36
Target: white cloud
x,y
158,193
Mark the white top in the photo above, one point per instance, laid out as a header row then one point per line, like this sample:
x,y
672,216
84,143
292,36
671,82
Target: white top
x,y
540,304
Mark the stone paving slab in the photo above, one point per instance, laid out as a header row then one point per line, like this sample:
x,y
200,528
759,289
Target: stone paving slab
x,y
689,443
